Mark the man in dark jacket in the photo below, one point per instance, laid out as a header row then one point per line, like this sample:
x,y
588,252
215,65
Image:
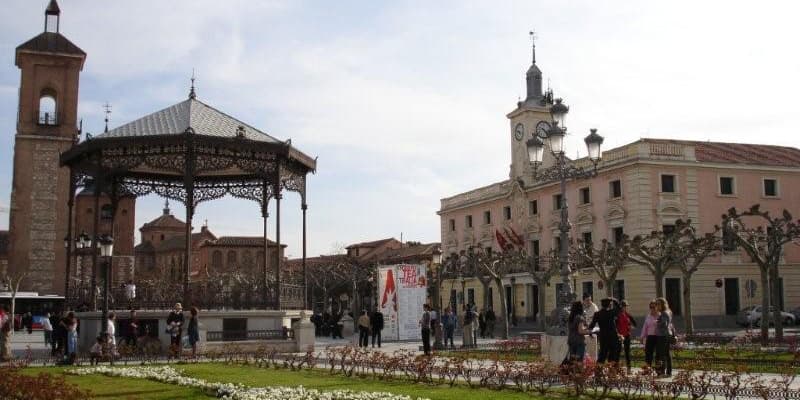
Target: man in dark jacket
x,y
608,337
376,323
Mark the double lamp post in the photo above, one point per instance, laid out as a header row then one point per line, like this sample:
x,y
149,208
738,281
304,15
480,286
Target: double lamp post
x,y
561,171
105,244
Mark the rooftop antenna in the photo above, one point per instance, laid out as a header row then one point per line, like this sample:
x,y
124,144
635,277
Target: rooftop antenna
x,y
107,108
192,94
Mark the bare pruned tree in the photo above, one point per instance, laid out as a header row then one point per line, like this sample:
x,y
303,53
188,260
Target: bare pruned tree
x,y
12,282
542,270
658,252
607,260
696,249
763,240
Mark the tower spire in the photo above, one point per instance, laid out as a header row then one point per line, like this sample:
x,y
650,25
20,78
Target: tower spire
x,y
107,108
192,94
533,78
166,207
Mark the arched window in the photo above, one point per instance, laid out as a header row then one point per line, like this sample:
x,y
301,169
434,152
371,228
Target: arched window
x,y
260,259
216,259
47,108
231,259
247,259
106,212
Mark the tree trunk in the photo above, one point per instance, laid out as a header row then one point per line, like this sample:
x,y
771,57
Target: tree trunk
x,y
609,287
777,319
503,308
542,317
659,282
764,307
687,303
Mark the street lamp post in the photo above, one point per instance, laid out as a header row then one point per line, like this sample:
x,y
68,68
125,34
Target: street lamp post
x,y
106,245
561,171
436,273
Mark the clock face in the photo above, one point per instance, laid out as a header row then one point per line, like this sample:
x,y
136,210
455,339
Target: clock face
x,y
542,128
519,132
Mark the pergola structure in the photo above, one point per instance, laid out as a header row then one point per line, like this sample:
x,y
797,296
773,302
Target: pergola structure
x,y
191,153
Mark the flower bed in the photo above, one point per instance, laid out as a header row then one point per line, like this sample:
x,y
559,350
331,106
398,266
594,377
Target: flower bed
x,y
229,391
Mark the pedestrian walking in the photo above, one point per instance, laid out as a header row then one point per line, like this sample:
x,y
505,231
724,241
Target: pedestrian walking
x,y
175,329
607,337
425,325
576,333
589,308
648,334
664,333
71,326
491,320
363,329
193,329
5,333
27,322
376,322
111,335
47,327
131,333
449,321
625,324
468,339
57,338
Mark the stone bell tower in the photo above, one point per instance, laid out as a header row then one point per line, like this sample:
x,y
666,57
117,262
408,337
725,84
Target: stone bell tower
x,y
47,125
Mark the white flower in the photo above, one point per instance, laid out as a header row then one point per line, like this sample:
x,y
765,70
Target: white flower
x,y
231,391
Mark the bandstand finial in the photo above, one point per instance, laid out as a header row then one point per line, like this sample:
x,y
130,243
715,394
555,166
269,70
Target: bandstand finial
x,y
192,93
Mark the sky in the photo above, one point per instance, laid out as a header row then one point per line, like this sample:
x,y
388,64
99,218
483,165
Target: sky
x,y
404,102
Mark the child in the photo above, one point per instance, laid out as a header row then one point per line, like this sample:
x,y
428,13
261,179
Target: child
x,y
96,352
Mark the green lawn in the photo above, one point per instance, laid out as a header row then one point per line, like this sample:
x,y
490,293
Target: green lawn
x,y
124,388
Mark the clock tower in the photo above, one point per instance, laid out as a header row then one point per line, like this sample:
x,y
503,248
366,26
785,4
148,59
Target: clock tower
x,y
532,116
47,125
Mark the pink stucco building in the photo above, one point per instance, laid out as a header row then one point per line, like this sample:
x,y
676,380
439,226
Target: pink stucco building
x,y
640,187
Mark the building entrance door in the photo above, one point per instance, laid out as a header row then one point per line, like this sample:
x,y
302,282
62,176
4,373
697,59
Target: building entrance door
x,y
534,301
672,292
732,305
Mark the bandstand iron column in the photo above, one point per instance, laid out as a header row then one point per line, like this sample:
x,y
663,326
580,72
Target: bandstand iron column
x,y
69,240
188,180
278,197
265,215
95,227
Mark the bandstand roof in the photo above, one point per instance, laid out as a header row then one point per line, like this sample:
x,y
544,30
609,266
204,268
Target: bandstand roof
x,y
191,113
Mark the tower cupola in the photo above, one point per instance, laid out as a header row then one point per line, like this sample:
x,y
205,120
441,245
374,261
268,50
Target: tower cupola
x,y
533,77
52,16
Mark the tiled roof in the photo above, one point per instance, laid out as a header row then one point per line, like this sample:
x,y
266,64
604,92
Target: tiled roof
x,y
4,243
410,252
190,113
165,221
374,243
740,153
51,42
248,241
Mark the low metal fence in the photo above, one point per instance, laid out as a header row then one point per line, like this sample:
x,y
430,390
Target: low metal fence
x,y
239,335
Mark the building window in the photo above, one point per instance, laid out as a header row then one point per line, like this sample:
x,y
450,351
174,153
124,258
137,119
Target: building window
x,y
490,297
535,254
770,187
668,183
470,296
588,288
489,251
216,259
162,236
231,259
533,207
468,221
619,235
487,217
587,238
106,212
557,199
452,225
726,185
728,240
615,189
453,298
668,229
585,196
619,289
507,212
